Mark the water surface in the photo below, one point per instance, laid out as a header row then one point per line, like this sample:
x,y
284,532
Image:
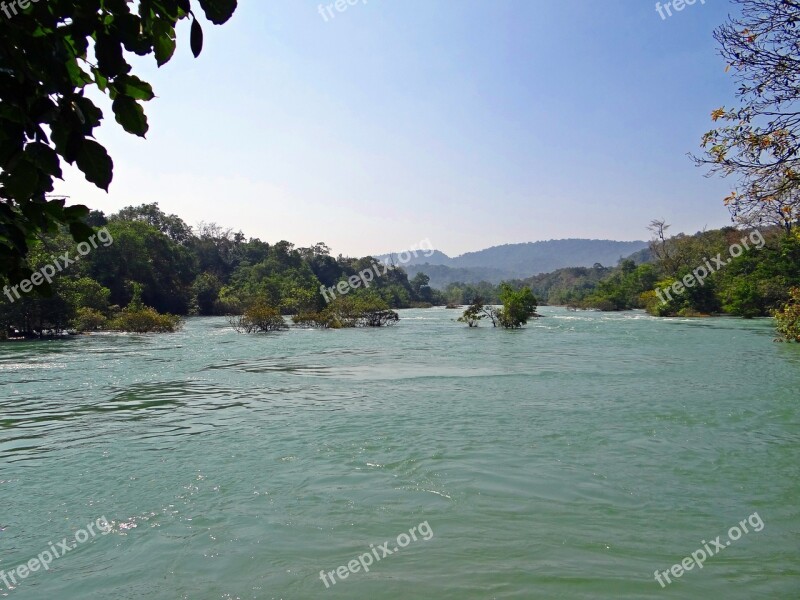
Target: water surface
x,y
568,460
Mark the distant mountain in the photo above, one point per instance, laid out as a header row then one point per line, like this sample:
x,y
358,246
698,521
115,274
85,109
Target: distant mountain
x,y
435,258
533,258
645,255
517,261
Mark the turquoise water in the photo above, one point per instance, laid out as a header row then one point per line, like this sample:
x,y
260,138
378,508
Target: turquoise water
x,y
568,460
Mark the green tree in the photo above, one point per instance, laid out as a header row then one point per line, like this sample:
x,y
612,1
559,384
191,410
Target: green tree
x,y
205,293
51,54
518,306
89,319
478,311
788,318
170,225
357,309
420,286
138,318
143,254
259,317
85,292
473,315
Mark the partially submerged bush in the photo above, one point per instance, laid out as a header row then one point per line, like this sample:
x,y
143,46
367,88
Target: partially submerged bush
x,y
259,317
138,318
316,320
379,318
363,310
478,311
788,318
89,319
518,306
144,320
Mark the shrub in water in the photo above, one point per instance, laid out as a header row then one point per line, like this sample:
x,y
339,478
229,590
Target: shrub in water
x,y
259,317
788,318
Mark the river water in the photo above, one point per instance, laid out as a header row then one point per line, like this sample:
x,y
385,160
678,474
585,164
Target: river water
x,y
571,459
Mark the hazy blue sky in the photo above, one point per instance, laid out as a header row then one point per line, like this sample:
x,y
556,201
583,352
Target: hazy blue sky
x,y
470,123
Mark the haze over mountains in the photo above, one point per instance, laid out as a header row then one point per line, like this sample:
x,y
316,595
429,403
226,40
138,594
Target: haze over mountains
x,y
517,261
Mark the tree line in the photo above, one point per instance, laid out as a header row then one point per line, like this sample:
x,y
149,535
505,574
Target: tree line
x,y
160,263
158,269
760,281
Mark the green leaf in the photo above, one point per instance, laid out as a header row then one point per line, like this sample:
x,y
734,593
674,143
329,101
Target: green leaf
x,y
77,76
218,11
96,164
77,212
42,110
67,139
130,85
127,28
197,38
22,181
45,158
54,209
100,79
130,115
163,42
90,115
81,232
110,60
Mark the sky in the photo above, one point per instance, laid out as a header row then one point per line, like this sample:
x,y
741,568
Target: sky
x,y
469,123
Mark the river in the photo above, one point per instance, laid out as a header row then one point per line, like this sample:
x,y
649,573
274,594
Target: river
x,y
571,459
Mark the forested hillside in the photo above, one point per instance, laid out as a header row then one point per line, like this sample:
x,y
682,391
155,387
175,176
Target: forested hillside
x,y
151,260
707,273
176,269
